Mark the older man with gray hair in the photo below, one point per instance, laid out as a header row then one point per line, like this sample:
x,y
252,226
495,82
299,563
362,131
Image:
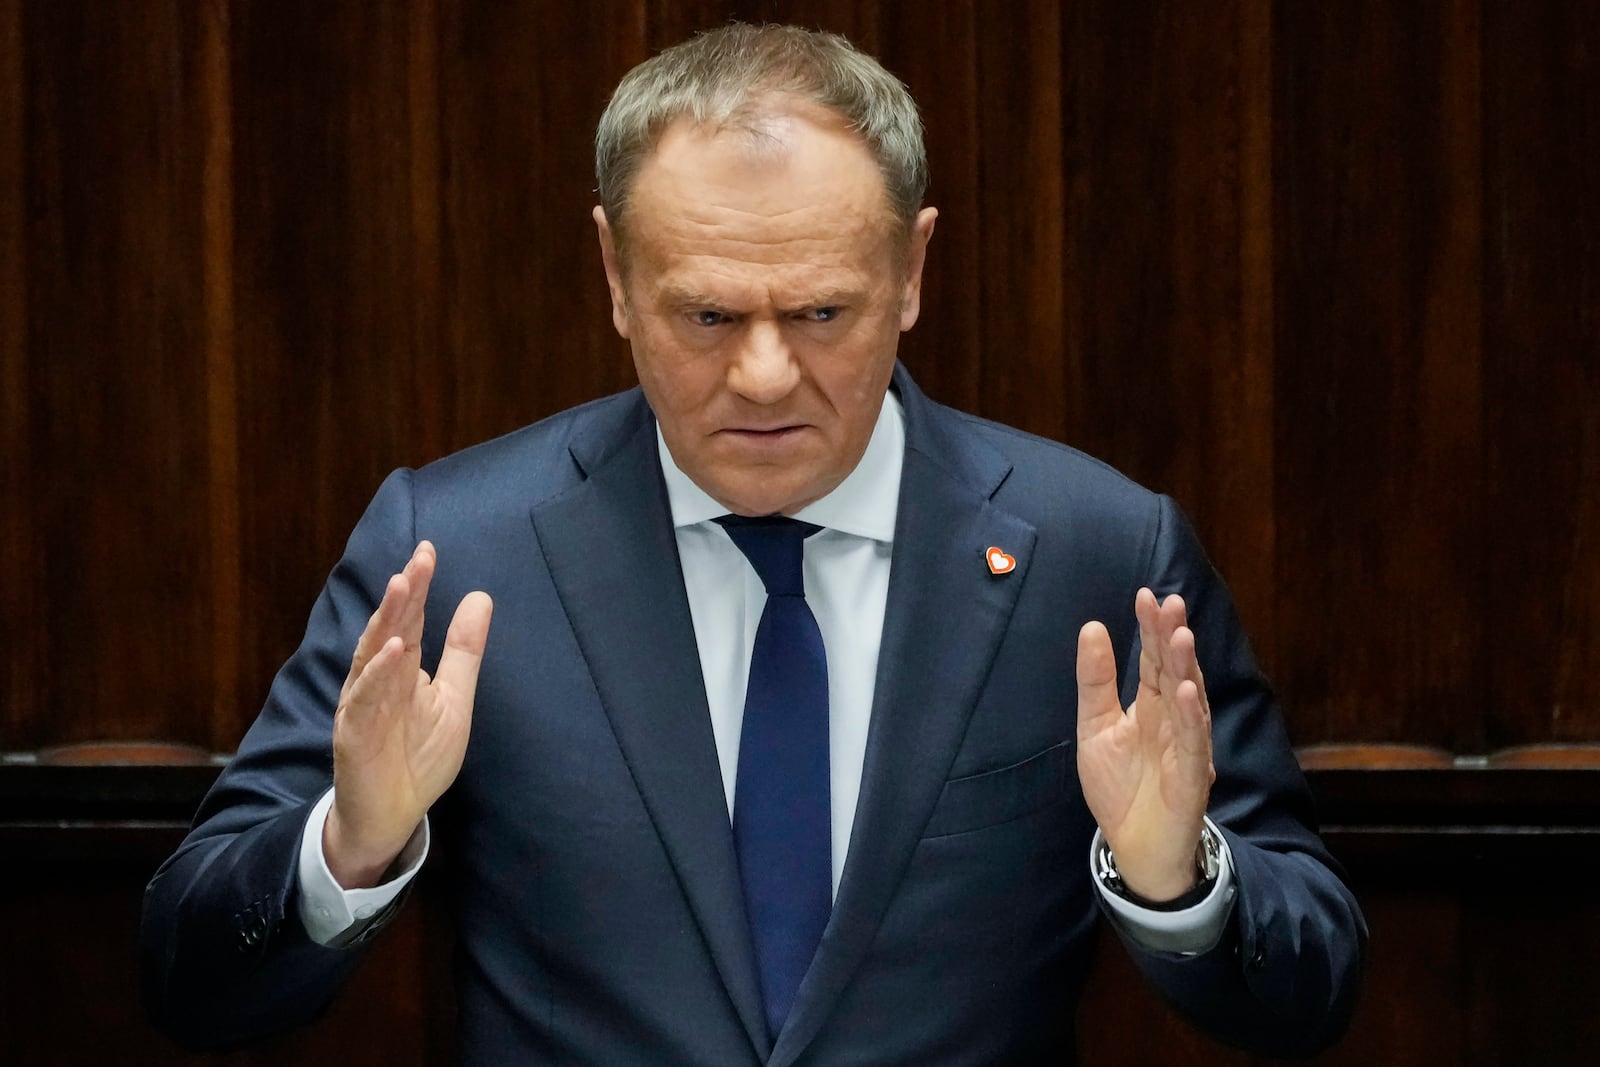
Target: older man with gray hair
x,y
799,737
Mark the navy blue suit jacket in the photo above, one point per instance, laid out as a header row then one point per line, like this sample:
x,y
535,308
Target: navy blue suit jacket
x,y
586,846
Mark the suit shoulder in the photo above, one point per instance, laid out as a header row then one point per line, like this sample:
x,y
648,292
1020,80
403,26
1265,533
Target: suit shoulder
x,y
1047,469
528,465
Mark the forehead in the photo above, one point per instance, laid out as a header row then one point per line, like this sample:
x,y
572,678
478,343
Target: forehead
x,y
792,189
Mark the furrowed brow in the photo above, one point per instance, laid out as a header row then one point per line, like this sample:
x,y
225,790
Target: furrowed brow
x,y
681,296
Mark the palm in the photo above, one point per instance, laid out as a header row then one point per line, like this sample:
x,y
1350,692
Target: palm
x,y
415,744
399,736
1146,774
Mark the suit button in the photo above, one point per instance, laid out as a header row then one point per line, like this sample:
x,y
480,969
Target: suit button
x,y
253,933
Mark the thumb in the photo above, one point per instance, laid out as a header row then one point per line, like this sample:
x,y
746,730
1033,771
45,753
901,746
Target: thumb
x,y
1099,706
464,644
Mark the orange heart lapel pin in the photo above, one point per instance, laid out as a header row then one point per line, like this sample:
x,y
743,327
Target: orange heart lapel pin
x,y
999,561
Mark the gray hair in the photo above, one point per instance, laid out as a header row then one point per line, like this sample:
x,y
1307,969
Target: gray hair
x,y
721,75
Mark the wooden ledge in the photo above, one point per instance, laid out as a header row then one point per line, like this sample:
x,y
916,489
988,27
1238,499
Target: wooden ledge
x,y
1387,757
1389,812
1373,757
127,753
1548,757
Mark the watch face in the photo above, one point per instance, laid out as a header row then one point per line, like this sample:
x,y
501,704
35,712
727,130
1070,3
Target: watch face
x,y
1209,856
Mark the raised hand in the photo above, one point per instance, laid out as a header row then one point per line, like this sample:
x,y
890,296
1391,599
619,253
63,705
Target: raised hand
x,y
399,737
1147,773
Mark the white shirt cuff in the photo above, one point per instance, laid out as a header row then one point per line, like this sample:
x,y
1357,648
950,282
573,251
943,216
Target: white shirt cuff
x,y
1188,932
327,909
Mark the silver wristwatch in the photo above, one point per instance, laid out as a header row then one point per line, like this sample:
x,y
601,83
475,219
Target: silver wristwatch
x,y
1207,862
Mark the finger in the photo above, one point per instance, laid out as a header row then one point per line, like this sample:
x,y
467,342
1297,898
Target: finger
x,y
1152,658
419,574
396,605
1183,663
399,603
1192,735
1191,718
1099,705
376,686
1147,613
380,627
463,647
1170,616
1193,722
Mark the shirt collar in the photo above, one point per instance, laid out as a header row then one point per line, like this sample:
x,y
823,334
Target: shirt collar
x,y
864,504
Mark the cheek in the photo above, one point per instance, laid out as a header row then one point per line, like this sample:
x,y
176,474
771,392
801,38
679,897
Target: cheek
x,y
860,369
676,381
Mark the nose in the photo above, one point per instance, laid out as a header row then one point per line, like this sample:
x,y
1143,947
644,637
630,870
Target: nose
x,y
762,368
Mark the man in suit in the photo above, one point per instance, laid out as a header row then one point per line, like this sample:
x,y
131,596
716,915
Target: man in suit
x,y
691,805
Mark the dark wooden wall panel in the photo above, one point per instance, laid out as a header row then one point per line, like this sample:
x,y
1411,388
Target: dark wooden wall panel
x,y
1324,276
1377,409
1415,1006
1325,273
527,317
1017,279
1162,173
1464,983
79,1002
932,49
21,653
1530,990
328,335
117,631
225,580
1541,97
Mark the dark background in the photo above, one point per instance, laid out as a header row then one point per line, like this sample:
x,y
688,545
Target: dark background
x,y
1328,273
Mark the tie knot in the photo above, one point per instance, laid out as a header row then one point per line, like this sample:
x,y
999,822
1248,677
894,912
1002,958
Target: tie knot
x,y
775,547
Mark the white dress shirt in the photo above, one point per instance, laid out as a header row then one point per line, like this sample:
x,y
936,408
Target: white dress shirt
x,y
846,568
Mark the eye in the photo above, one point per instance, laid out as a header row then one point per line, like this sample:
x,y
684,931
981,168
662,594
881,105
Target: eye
x,y
826,313
708,317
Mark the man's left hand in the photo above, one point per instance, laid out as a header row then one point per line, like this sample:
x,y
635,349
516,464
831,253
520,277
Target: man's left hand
x,y
1146,773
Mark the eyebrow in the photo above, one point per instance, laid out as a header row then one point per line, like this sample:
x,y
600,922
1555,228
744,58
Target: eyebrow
x,y
680,297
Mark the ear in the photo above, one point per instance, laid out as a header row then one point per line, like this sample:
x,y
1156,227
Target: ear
x,y
608,256
916,254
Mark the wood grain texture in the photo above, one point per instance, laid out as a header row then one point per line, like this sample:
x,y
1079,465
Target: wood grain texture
x,y
932,49
73,997
1323,277
324,297
110,367
22,666
1019,279
1169,186
223,495
527,328
1542,366
1327,274
1528,982
1378,406
1472,962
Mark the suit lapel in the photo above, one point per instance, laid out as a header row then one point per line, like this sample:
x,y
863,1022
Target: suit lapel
x,y
945,617
613,557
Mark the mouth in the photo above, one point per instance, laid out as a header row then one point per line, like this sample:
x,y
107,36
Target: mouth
x,y
764,444
756,434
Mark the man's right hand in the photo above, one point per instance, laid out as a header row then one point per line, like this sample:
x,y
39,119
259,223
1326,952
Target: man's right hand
x,y
399,736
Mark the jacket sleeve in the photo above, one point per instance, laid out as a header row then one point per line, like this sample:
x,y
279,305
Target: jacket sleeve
x,y
1284,978
225,959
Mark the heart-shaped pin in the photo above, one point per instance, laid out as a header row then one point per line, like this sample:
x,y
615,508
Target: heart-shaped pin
x,y
1000,562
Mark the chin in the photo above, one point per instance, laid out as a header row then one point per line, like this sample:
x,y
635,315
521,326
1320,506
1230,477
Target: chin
x,y
762,500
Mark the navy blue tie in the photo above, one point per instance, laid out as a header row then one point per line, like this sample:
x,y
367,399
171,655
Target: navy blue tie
x,y
782,819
